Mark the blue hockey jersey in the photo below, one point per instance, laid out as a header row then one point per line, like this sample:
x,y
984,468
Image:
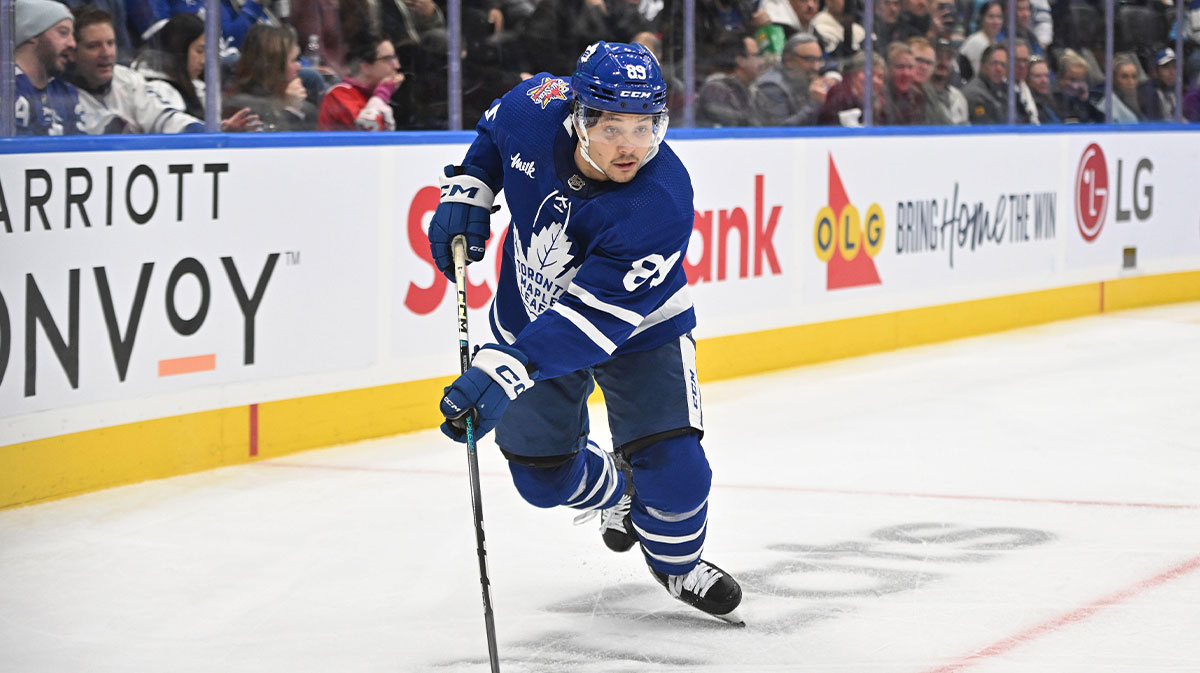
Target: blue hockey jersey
x,y
53,111
589,269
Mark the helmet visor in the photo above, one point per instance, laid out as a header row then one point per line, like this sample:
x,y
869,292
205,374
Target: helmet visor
x,y
621,129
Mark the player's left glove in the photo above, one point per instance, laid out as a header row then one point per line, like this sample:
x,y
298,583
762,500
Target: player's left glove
x,y
465,210
497,375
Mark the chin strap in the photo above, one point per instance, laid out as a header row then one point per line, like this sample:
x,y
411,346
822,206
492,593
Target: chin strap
x,y
584,141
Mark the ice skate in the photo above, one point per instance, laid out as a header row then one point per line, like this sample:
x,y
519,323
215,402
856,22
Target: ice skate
x,y
616,528
706,588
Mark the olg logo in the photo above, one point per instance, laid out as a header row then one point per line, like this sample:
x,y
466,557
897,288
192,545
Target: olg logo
x,y
848,233
846,240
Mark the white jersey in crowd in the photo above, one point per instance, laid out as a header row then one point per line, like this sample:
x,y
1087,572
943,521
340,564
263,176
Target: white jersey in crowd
x,y
129,98
156,82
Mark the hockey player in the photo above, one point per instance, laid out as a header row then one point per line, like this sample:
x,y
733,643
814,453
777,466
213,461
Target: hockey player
x,y
591,289
44,105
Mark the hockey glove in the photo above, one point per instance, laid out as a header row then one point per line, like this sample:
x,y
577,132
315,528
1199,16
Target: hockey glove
x,y
497,375
465,210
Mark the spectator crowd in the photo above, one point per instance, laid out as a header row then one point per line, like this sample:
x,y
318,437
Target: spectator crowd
x,y
137,66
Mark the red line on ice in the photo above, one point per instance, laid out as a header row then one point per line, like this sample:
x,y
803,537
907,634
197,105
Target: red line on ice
x,y
253,430
764,487
955,496
1077,615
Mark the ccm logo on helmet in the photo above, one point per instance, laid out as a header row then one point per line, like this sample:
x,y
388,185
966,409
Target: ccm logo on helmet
x,y
635,94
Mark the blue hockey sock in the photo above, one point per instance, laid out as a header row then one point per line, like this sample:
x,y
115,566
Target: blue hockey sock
x,y
590,480
670,509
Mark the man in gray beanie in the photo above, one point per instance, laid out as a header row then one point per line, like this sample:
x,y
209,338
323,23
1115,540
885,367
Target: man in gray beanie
x,y
44,38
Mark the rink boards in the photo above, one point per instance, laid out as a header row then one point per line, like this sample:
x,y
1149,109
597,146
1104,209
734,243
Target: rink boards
x,y
174,304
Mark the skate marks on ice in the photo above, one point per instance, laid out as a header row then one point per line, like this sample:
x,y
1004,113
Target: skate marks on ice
x,y
637,627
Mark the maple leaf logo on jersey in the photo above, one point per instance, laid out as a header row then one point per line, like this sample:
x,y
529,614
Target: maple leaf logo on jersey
x,y
542,268
550,89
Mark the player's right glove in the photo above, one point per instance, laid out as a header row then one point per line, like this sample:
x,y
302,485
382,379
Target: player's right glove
x,y
497,375
465,210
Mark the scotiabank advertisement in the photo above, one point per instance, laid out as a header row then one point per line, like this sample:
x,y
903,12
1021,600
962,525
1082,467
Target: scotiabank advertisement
x,y
144,284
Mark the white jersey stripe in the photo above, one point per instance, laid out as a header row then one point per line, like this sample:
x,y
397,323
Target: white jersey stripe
x,y
504,334
589,299
579,489
601,481
678,303
670,517
667,539
673,560
589,330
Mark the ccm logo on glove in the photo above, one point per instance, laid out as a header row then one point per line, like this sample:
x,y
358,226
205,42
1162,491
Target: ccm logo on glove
x,y
497,375
465,209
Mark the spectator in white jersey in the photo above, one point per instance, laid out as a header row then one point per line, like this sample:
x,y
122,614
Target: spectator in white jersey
x,y
173,65
838,29
991,22
114,97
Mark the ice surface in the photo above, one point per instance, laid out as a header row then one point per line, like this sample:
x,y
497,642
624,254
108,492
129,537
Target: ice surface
x,y
1027,501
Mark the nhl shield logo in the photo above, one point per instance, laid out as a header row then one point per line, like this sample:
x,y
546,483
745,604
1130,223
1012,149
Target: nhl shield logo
x,y
550,89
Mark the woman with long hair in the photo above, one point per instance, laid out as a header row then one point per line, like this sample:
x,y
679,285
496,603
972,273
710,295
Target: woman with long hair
x,y
267,81
991,22
1125,106
173,65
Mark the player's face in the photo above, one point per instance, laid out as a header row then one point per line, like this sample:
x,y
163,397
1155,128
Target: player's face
x,y
96,54
54,47
619,142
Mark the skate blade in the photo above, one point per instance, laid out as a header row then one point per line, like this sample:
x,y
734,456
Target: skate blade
x,y
732,617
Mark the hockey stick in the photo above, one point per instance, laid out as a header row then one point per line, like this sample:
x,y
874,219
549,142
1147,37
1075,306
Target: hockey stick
x,y
459,247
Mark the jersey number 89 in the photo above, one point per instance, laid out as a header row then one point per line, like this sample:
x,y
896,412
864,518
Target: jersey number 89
x,y
652,268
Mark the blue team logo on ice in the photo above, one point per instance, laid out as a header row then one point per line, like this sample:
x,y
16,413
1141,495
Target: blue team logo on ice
x,y
546,267
550,89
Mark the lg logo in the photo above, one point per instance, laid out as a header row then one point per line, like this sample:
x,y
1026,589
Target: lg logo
x,y
1092,192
